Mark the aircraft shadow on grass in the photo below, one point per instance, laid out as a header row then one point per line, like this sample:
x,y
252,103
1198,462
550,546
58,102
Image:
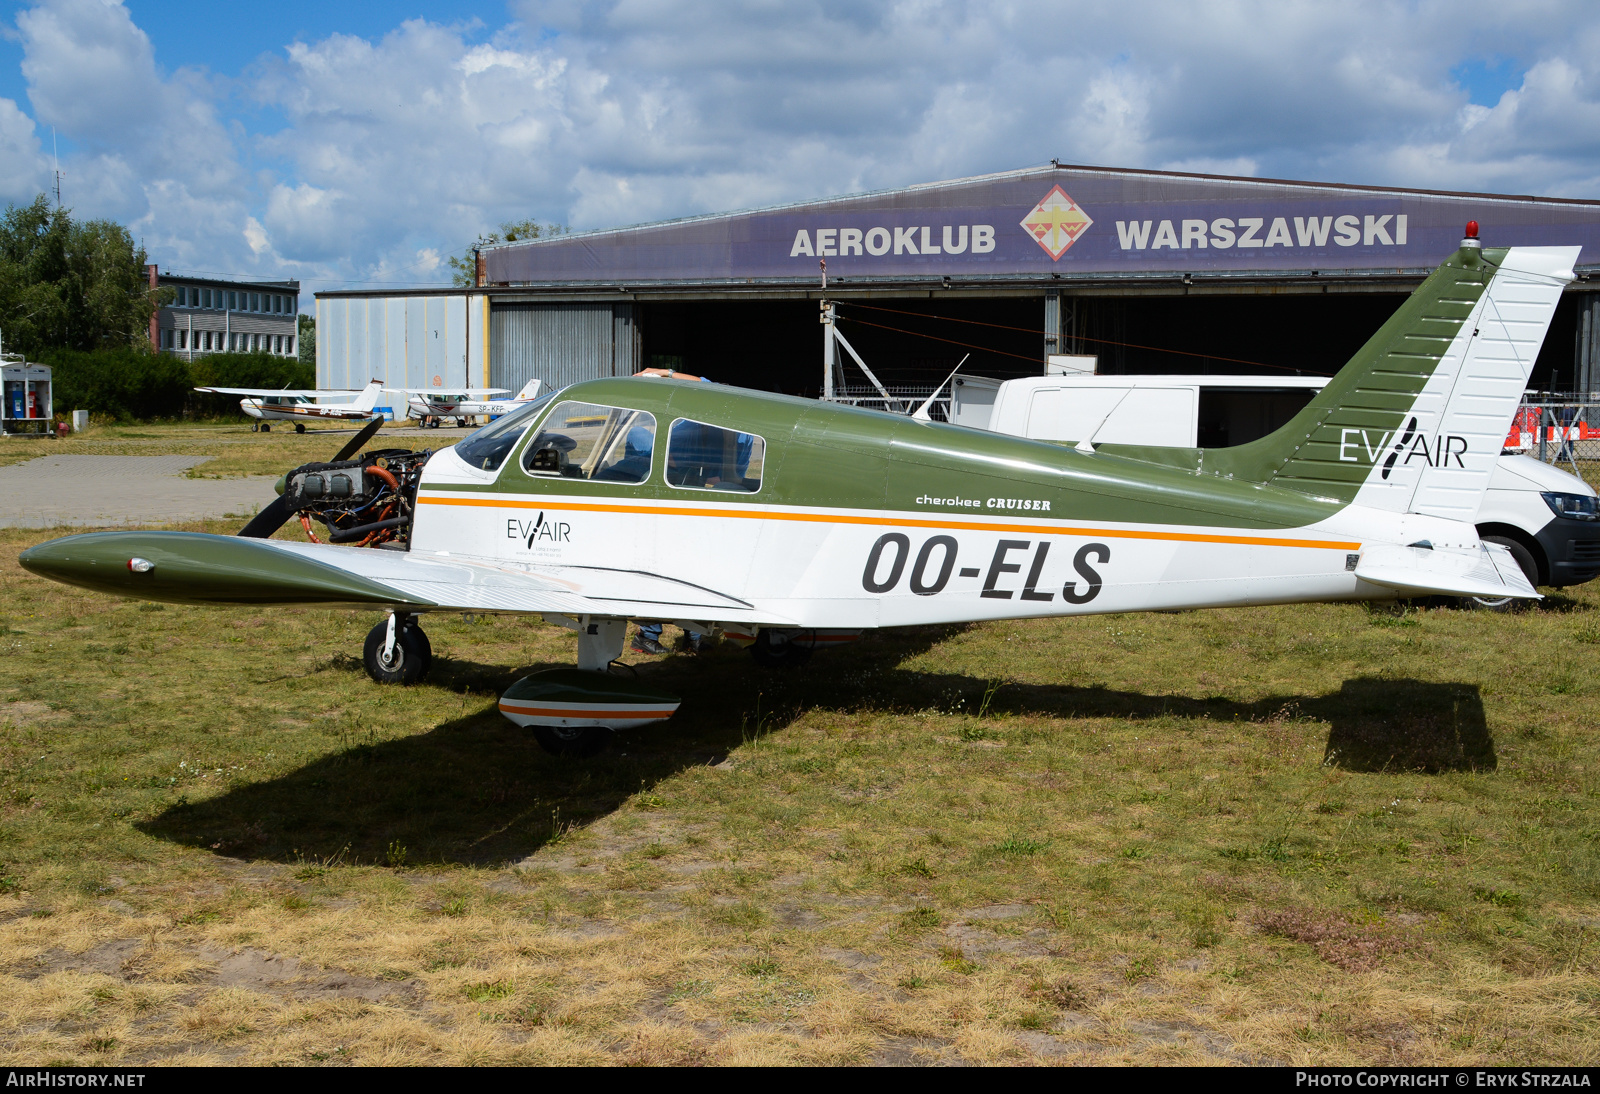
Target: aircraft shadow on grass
x,y
477,790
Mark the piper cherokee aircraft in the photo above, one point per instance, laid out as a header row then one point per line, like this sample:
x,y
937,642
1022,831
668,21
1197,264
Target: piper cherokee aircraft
x,y
432,404
791,524
268,406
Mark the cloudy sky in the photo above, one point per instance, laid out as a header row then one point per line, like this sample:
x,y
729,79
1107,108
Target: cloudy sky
x,y
350,143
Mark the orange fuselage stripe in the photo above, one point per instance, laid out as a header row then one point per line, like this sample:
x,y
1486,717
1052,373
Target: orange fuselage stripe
x,y
899,522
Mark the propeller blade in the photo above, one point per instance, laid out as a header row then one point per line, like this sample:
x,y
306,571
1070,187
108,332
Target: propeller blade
x,y
359,439
277,512
268,521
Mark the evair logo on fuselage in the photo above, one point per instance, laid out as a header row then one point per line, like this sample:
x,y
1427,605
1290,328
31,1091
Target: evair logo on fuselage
x,y
539,531
1436,451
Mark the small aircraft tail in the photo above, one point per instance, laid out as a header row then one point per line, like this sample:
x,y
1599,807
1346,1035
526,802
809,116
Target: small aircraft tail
x,y
1415,421
368,399
530,390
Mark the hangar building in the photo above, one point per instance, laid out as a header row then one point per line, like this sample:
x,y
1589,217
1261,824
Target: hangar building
x,y
1149,271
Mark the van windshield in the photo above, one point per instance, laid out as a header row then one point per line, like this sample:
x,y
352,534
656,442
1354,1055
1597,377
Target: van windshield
x,y
487,448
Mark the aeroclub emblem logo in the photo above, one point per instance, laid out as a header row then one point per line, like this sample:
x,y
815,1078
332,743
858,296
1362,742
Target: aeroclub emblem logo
x,y
1056,222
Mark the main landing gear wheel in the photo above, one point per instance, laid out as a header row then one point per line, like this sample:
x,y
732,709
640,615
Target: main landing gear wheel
x,y
1530,570
299,427
579,741
266,428
778,653
410,659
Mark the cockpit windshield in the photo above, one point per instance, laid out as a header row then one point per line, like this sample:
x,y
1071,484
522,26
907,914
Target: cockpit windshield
x,y
487,448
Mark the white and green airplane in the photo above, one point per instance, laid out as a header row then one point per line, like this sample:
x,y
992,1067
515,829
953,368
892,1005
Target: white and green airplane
x,y
790,524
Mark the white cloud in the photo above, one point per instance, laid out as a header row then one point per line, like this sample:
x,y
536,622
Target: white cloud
x,y
623,111
24,171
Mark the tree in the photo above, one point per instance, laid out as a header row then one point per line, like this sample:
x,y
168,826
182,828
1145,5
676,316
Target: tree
x,y
67,284
464,265
307,328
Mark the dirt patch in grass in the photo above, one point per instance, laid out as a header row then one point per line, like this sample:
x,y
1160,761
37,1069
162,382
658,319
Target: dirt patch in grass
x,y
1351,944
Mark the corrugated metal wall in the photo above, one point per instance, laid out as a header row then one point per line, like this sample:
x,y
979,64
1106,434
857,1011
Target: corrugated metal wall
x,y
405,341
560,343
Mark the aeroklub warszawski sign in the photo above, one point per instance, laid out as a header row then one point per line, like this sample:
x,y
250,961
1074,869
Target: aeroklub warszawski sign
x,y
1063,221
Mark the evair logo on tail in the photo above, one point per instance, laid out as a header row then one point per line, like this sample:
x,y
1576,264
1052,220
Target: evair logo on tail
x,y
1436,451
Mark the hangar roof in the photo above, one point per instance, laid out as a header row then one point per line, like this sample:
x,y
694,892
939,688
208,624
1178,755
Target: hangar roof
x,y
1056,224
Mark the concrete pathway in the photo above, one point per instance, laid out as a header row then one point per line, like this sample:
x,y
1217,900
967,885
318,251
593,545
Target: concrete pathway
x,y
108,490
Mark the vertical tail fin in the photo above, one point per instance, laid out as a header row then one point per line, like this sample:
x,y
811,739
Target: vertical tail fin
x,y
368,397
530,390
1415,421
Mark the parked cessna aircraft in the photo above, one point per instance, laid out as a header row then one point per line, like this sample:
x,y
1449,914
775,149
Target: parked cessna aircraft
x,y
431,404
791,523
268,406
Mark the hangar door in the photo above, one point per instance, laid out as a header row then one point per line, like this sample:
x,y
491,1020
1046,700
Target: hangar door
x,y
560,343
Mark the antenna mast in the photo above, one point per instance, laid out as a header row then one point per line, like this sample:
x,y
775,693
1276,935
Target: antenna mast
x,y
55,151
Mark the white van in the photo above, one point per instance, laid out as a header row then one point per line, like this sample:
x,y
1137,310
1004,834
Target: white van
x,y
1544,516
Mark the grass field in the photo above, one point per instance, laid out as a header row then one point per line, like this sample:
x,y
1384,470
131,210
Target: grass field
x,y
233,450
1313,834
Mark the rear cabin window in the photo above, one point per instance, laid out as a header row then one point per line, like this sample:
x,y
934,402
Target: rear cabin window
x,y
708,457
487,449
597,443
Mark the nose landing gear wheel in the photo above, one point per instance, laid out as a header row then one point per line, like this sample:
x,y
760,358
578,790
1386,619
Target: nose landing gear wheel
x,y
410,660
299,427
577,741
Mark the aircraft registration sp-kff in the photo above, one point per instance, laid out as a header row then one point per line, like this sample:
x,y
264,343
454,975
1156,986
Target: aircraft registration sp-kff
x,y
789,524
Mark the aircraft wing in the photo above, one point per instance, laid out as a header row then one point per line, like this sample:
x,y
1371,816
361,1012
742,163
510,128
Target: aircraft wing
x,y
448,390
264,392
192,567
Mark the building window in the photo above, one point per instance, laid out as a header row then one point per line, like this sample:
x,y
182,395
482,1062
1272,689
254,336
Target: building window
x,y
205,298
288,345
208,341
233,301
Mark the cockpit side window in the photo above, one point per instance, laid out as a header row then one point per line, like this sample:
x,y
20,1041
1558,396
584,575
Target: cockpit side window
x,y
593,442
709,457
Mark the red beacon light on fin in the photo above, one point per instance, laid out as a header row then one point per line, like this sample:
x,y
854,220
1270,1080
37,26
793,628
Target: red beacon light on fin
x,y
1471,239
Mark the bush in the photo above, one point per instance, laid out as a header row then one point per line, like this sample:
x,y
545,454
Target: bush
x,y
134,383
120,383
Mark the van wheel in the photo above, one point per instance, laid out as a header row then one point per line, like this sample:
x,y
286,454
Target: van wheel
x,y
1530,570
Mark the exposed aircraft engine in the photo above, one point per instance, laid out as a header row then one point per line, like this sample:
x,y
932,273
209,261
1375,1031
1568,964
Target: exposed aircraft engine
x,y
367,502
